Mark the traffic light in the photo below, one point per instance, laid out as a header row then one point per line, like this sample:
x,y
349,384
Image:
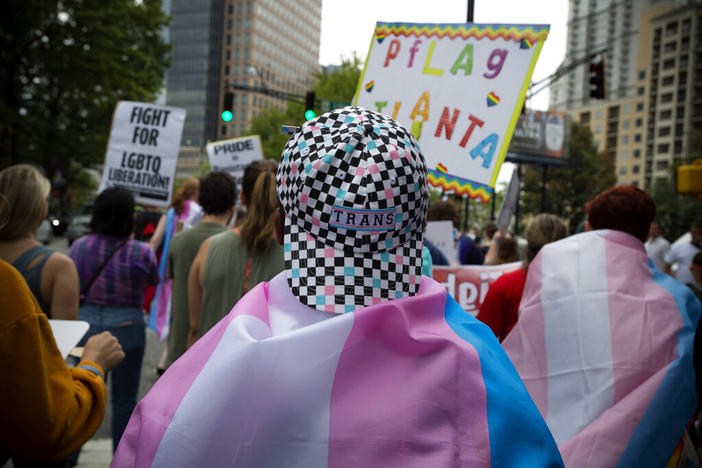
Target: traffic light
x,y
309,105
228,105
597,81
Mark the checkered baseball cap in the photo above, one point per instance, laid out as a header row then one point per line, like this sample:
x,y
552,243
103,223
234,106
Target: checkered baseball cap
x,y
352,183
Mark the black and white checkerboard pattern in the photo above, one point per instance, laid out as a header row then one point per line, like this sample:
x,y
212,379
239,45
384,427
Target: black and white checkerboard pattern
x,y
352,158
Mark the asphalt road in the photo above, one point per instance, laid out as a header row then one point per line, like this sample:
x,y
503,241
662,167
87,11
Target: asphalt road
x,y
152,355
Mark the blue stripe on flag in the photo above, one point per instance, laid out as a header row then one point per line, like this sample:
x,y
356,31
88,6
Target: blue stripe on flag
x,y
518,434
673,404
170,216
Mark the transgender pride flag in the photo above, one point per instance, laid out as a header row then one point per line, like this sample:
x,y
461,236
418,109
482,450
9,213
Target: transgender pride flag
x,y
604,345
413,382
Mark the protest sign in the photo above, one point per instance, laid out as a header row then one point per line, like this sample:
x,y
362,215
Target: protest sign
x,y
459,88
143,151
469,284
232,156
440,233
509,203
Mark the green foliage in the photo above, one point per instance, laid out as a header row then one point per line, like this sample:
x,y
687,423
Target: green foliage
x,y
569,188
338,86
64,66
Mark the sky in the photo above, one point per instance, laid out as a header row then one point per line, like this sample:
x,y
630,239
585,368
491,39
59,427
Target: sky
x,y
347,28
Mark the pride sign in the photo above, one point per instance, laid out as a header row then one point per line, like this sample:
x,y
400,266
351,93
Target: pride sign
x,y
460,89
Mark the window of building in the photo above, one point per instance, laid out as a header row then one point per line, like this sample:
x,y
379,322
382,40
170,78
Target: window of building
x,y
669,47
229,39
229,24
635,183
639,106
622,170
236,69
246,54
598,114
678,130
667,81
642,74
228,54
638,123
664,131
665,115
230,9
243,99
671,28
238,20
640,91
249,7
623,155
663,148
667,97
237,56
226,69
669,64
637,138
243,114
680,113
681,95
635,169
661,165
637,153
248,23
625,139
625,124
224,130
239,8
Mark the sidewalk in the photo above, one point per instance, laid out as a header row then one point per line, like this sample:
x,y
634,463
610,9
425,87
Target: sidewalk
x,y
96,453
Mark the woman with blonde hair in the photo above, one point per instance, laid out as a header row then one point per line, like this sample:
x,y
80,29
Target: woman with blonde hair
x,y
501,304
231,263
51,276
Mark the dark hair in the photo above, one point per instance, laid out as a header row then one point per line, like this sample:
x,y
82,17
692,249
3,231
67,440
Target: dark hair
x,y
507,250
697,259
251,173
490,229
624,208
259,224
217,192
113,213
444,211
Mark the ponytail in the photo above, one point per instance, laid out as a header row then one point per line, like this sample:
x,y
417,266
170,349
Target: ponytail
x,y
259,224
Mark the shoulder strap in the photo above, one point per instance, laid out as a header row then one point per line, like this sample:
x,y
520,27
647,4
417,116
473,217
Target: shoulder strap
x,y
85,290
28,256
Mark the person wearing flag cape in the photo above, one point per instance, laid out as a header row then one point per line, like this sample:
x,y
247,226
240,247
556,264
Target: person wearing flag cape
x,y
349,357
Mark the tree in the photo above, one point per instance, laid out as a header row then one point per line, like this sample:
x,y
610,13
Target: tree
x,y
569,188
338,85
64,64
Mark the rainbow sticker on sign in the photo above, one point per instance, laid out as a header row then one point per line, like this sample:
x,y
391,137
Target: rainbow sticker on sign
x,y
419,73
492,99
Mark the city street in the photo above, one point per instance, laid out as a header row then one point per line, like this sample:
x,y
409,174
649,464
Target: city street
x,y
98,451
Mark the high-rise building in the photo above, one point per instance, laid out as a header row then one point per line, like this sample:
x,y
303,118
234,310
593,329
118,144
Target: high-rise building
x,y
648,130
607,27
216,44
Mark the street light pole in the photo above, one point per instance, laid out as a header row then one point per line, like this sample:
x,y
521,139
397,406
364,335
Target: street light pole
x,y
471,6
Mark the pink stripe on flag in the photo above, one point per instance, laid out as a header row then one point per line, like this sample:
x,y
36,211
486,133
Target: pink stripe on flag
x,y
644,339
398,399
526,343
140,448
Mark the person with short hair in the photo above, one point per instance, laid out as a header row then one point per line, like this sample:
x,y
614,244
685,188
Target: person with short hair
x,y
51,276
683,253
229,264
113,270
349,357
656,245
217,197
488,233
604,341
499,309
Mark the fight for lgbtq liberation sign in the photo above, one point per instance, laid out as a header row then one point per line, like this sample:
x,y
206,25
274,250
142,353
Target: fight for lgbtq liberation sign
x,y
234,155
143,151
459,88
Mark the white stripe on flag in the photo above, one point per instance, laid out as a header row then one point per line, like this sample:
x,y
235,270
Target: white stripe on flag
x,y
259,400
577,333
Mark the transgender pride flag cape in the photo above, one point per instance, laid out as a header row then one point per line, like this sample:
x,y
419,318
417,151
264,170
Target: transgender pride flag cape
x,y
604,345
413,382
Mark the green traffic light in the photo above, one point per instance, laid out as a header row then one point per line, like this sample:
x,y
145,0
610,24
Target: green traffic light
x,y
227,116
310,114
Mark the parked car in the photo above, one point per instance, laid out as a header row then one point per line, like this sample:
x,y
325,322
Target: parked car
x,y
44,232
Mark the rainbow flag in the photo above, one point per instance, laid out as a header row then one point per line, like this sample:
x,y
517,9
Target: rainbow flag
x,y
492,99
441,168
409,382
604,345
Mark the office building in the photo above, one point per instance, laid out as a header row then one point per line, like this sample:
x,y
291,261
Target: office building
x,y
218,44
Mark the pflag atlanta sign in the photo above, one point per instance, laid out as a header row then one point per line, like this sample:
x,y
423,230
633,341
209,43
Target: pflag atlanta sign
x,y
143,151
459,88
